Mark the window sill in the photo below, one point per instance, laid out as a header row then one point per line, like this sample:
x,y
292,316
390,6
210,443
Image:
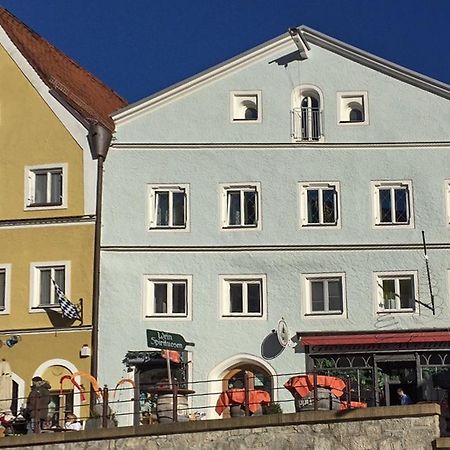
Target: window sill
x,y
240,227
319,225
166,316
44,206
392,224
353,122
44,308
324,313
258,120
52,306
244,315
177,228
397,311
307,141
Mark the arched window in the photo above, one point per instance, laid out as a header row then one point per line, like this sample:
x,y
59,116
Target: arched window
x,y
356,115
251,113
306,114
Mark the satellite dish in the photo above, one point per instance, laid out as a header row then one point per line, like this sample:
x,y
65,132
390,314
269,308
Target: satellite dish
x,y
270,346
283,333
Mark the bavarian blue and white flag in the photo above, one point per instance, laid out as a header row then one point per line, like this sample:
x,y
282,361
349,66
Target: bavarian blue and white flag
x,y
68,309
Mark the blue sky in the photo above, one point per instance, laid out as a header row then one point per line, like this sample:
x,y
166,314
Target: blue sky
x,y
139,47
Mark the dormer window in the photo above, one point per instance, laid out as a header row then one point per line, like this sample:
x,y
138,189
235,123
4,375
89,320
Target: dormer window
x,y
307,114
352,108
246,107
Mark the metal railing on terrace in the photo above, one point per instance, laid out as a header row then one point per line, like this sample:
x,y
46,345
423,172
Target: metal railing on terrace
x,y
306,124
165,402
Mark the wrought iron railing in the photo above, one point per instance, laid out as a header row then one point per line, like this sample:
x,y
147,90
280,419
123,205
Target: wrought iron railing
x,y
306,124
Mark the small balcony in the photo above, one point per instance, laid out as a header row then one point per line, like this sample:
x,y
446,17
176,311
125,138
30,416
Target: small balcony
x,y
306,124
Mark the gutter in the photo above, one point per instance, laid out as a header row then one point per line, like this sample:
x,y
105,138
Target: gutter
x,y
99,139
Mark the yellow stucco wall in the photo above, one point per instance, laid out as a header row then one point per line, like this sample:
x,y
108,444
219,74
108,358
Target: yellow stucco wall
x,y
38,349
31,134
20,247
49,350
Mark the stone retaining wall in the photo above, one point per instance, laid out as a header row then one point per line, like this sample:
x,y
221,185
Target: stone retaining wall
x,y
413,427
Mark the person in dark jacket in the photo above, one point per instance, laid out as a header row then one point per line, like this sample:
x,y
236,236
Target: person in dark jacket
x,y
37,402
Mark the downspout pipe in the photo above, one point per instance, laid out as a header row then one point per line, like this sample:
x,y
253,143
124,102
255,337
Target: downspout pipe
x,y
100,139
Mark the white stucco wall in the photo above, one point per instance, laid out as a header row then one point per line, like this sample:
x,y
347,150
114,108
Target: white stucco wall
x,y
398,112
280,249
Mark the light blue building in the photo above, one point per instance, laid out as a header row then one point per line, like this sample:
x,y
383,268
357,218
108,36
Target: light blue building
x,y
292,181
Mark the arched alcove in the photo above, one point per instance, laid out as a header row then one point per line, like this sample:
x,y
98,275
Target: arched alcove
x,y
230,371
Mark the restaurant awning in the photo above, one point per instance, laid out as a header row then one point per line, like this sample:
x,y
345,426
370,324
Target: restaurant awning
x,y
375,338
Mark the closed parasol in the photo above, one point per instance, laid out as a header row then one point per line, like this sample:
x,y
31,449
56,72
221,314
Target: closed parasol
x,y
5,386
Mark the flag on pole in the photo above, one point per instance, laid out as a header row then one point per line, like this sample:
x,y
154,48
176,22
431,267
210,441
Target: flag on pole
x,y
172,355
68,309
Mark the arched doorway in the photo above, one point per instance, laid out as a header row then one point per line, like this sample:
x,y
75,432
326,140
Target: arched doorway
x,y
233,372
18,393
52,371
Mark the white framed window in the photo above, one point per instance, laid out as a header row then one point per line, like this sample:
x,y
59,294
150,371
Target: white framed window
x,y
325,293
352,108
396,291
43,290
5,286
240,205
243,296
319,204
245,106
46,186
392,203
168,296
168,207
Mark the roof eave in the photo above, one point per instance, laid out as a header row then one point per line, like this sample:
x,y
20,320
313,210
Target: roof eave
x,y
309,35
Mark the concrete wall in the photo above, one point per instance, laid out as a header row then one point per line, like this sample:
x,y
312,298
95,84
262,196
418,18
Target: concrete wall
x,y
401,428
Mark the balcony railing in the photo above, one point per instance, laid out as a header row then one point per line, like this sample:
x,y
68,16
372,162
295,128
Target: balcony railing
x,y
306,124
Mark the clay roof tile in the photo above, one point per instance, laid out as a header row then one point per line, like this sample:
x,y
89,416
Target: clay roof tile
x,y
81,90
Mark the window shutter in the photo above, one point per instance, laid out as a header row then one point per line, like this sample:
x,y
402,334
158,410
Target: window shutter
x,y
152,211
376,204
30,185
225,208
303,206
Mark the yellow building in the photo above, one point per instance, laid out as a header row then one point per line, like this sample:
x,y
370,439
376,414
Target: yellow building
x,y
50,112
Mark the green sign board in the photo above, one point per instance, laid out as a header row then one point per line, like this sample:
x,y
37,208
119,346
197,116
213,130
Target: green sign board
x,y
165,340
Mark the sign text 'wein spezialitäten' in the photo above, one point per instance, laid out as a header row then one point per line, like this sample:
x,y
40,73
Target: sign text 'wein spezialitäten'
x,y
165,340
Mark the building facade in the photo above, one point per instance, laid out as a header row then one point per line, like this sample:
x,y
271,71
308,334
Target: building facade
x,y
47,213
293,181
